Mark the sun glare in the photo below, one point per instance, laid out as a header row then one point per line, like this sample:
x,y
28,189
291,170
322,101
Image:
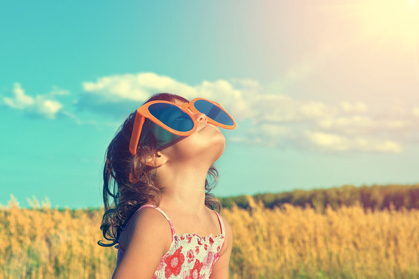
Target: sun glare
x,y
413,3
396,18
388,29
390,25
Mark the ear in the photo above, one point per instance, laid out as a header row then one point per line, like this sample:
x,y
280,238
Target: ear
x,y
156,160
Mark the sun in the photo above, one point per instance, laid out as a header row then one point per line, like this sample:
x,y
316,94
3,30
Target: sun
x,y
383,20
395,19
387,27
413,3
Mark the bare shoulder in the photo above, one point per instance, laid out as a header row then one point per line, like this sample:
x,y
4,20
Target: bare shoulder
x,y
145,240
147,224
228,237
221,267
150,217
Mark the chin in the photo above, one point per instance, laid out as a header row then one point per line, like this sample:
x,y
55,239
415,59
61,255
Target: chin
x,y
218,146
202,147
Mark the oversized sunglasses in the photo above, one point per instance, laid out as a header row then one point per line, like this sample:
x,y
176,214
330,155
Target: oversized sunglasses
x,y
178,119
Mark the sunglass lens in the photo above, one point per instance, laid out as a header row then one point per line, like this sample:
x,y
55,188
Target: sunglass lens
x,y
214,112
172,116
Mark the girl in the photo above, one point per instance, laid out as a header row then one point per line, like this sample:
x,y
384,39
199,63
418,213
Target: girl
x,y
159,173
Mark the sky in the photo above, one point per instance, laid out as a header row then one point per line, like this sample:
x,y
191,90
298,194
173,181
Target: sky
x,y
324,93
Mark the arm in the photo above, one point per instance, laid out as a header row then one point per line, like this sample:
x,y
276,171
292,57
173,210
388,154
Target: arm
x,y
221,268
146,240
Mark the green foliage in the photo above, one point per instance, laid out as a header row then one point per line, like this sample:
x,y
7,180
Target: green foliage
x,y
373,198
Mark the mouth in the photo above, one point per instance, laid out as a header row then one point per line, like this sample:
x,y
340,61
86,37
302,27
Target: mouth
x,y
203,127
208,125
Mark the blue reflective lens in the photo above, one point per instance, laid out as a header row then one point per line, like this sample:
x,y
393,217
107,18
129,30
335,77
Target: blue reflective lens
x,y
214,112
172,116
162,136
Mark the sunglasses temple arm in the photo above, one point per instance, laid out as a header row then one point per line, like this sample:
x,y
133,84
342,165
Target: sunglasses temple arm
x,y
136,132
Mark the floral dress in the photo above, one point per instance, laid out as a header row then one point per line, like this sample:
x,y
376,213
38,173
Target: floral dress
x,y
189,256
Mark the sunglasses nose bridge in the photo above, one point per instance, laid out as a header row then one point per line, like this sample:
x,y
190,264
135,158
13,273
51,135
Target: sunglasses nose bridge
x,y
199,116
184,106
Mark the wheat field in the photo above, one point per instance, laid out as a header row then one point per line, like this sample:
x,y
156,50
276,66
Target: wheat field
x,y
287,242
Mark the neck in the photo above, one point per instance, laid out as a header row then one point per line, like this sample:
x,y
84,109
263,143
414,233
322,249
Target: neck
x,y
182,188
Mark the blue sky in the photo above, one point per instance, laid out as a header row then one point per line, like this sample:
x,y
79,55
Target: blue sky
x,y
324,94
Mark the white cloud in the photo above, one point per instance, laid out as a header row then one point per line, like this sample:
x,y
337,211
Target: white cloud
x,y
271,135
133,87
333,142
49,108
296,73
280,108
247,140
19,100
365,124
276,119
274,108
358,107
389,146
347,123
344,128
39,105
139,87
120,94
314,110
56,91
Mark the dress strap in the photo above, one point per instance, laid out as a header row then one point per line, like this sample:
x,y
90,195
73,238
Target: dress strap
x,y
172,228
220,220
161,211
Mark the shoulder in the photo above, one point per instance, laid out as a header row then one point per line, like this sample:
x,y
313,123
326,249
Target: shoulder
x,y
228,240
149,216
145,240
147,225
221,267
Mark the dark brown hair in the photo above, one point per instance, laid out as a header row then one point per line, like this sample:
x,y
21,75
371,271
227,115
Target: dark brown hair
x,y
123,195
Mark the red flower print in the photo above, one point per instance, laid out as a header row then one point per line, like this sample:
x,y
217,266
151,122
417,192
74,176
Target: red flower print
x,y
211,241
209,258
206,247
216,257
161,265
174,263
196,270
190,256
197,249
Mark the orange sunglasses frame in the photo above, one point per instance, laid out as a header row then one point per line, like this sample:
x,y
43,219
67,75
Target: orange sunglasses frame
x,y
188,108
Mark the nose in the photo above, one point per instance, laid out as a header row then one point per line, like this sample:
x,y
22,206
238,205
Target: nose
x,y
201,117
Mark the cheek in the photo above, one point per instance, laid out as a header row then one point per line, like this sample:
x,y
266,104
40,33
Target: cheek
x,y
208,147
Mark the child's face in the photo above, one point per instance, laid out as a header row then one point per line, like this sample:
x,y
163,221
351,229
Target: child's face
x,y
204,146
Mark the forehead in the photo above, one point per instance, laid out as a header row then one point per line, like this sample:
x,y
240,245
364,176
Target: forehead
x,y
178,102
